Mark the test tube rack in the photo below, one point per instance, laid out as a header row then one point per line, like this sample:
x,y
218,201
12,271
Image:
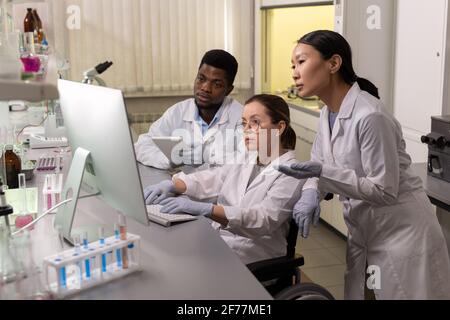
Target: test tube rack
x,y
77,280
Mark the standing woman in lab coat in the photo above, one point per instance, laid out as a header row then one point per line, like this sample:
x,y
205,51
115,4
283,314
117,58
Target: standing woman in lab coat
x,y
250,203
359,154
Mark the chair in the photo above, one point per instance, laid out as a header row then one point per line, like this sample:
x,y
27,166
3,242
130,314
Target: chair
x,y
281,276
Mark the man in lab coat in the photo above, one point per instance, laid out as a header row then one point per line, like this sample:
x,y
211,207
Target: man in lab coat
x,y
202,121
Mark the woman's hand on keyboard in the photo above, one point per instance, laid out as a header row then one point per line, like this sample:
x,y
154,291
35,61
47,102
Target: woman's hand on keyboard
x,y
184,205
154,194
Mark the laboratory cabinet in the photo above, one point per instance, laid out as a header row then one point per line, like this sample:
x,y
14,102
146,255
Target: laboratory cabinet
x,y
304,121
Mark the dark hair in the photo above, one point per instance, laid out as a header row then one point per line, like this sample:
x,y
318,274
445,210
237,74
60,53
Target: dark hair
x,y
329,43
223,60
278,110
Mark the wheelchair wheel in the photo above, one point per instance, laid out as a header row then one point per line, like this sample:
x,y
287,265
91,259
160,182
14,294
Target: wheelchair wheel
x,y
305,291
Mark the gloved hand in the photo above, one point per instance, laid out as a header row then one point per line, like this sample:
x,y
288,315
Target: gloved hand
x,y
184,205
154,194
302,170
307,210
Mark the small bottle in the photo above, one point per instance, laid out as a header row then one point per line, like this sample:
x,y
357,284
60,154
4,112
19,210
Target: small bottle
x,y
29,21
38,31
13,167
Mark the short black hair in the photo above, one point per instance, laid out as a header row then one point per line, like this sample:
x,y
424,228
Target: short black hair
x,y
222,60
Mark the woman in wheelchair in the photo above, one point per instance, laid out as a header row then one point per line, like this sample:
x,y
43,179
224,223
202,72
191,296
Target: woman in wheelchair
x,y
250,202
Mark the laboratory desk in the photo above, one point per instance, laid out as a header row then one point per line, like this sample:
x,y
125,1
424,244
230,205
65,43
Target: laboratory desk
x,y
437,190
188,261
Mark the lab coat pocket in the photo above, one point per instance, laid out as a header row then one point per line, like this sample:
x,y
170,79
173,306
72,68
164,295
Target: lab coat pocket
x,y
397,229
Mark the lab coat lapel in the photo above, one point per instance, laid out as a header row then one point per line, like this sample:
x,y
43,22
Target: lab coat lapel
x,y
345,113
270,173
246,173
224,118
189,116
326,141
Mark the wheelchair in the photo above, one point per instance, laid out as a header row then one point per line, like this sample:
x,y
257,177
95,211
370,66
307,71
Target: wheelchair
x,y
281,276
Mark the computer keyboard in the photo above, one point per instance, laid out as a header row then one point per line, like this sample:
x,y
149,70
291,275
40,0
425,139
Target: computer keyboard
x,y
166,219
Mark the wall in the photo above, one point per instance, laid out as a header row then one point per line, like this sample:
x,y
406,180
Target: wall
x,y
373,48
285,27
420,69
288,3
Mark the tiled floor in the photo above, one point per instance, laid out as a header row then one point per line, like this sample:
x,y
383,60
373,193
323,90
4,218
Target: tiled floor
x,y
324,252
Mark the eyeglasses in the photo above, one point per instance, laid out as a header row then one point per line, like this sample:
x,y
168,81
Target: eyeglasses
x,y
254,125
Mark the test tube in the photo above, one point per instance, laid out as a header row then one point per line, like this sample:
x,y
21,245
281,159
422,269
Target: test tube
x,y
58,164
118,251
131,257
76,243
101,235
123,236
87,262
48,181
60,257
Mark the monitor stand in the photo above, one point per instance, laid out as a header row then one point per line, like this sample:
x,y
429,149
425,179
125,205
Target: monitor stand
x,y
66,213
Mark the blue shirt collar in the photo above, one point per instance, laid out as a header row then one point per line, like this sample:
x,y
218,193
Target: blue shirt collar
x,y
203,125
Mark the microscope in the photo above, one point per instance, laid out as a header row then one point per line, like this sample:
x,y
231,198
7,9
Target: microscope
x,y
92,74
54,136
438,142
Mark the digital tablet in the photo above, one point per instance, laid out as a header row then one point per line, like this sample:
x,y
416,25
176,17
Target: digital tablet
x,y
166,144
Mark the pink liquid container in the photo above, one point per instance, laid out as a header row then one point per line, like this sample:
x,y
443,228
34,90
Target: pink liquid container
x,y
31,63
23,220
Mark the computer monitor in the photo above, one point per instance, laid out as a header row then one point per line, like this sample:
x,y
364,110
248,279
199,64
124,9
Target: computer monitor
x,y
96,122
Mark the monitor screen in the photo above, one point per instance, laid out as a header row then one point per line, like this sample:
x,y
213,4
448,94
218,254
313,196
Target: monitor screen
x,y
96,120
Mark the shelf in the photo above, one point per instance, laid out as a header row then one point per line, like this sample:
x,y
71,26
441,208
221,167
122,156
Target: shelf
x,y
32,91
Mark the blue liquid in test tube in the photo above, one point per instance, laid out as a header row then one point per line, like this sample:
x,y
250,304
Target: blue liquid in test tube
x,y
101,234
87,263
62,274
118,251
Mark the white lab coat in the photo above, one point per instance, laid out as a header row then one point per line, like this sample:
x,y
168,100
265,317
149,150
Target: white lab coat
x,y
182,116
390,220
259,215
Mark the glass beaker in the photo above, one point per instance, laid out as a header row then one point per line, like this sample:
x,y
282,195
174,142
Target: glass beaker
x,y
10,281
24,217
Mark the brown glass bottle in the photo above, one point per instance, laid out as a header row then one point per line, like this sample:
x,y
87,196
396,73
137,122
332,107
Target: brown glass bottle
x,y
13,167
38,27
28,23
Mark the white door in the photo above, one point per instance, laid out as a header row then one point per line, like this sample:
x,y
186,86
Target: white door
x,y
419,69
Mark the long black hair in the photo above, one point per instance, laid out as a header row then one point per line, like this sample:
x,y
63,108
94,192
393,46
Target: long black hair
x,y
278,110
329,43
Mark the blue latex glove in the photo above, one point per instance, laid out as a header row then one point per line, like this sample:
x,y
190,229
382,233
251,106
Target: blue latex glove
x,y
154,194
184,205
302,170
307,210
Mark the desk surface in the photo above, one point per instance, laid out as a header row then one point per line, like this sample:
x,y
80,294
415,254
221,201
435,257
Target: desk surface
x,y
437,190
185,261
